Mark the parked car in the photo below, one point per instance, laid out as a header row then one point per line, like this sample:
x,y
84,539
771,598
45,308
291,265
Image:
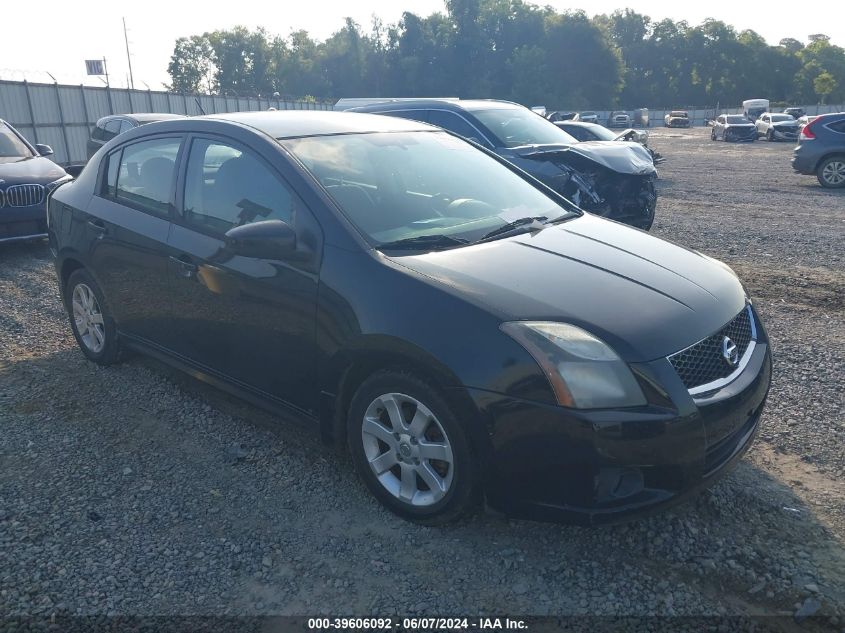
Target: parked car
x,y
588,116
561,116
795,113
615,181
821,150
804,120
619,119
110,126
677,118
777,127
594,132
733,127
27,177
421,301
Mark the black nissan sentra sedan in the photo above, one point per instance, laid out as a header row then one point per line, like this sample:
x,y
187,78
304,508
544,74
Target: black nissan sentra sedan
x,y
465,331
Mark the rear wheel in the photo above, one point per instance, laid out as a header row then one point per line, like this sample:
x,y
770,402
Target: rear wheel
x,y
770,136
410,448
90,320
713,135
831,172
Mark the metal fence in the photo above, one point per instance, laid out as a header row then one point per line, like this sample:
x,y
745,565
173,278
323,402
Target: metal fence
x,y
62,116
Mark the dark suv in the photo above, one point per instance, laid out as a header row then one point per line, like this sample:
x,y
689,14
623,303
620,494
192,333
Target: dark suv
x,y
110,126
614,180
821,150
26,179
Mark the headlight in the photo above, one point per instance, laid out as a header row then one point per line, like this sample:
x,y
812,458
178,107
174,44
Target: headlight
x,y
584,371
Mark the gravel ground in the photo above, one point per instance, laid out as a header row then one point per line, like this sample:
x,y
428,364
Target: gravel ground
x,y
137,490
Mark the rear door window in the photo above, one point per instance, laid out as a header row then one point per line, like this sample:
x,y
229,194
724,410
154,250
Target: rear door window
x,y
145,175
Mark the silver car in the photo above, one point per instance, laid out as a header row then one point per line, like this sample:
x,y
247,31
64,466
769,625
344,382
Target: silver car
x,y
776,126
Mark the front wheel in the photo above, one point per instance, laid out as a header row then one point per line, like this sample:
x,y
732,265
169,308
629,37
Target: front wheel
x,y
410,448
769,136
90,320
831,172
712,135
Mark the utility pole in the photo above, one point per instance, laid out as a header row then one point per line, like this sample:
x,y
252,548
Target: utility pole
x,y
106,70
128,57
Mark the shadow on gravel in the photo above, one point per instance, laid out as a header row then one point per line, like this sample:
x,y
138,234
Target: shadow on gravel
x,y
14,252
171,483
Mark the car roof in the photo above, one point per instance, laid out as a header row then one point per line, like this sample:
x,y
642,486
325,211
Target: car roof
x,y
468,105
141,117
283,124
586,124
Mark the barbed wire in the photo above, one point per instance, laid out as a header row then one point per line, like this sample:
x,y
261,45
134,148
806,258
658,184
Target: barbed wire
x,y
46,76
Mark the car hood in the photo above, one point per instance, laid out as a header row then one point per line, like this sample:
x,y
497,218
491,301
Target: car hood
x,y
619,156
645,297
34,170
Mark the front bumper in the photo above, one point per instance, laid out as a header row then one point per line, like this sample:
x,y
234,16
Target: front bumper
x,y
555,464
23,223
782,135
741,134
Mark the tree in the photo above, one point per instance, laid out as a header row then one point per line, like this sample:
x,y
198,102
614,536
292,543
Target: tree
x,y
514,49
824,85
191,66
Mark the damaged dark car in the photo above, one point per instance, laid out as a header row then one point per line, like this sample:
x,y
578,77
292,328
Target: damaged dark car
x,y
584,131
614,180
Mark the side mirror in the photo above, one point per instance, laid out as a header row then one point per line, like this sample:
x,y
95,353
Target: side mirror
x,y
44,150
270,239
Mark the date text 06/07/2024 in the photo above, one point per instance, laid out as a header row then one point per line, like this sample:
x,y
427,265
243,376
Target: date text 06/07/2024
x,y
417,624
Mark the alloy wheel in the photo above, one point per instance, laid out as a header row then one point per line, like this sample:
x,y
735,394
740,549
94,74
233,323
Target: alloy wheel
x,y
833,173
88,318
407,449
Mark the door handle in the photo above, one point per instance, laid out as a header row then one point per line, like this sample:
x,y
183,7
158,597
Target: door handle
x,y
184,268
98,226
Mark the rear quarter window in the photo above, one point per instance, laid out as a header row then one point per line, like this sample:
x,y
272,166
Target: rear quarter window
x,y
838,126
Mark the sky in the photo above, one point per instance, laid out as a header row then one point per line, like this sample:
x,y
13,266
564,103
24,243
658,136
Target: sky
x,y
64,34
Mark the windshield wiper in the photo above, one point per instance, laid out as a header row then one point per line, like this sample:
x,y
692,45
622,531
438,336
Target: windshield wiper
x,y
516,224
432,241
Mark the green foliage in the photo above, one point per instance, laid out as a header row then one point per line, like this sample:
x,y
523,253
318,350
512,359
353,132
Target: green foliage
x,y
824,84
510,49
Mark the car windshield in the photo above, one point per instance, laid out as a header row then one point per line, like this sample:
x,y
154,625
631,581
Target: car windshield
x,y
682,115
11,146
518,126
409,185
736,120
781,117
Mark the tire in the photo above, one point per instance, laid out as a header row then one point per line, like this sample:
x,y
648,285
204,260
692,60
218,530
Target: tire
x,y
90,320
831,172
425,418
712,135
770,137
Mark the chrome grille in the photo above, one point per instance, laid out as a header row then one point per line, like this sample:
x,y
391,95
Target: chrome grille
x,y
24,195
703,363
2,199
